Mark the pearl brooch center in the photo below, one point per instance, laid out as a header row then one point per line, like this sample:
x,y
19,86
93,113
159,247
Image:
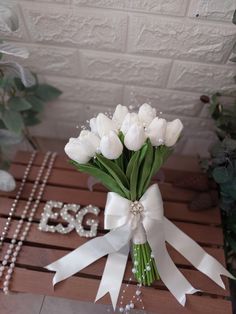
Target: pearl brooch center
x,y
136,208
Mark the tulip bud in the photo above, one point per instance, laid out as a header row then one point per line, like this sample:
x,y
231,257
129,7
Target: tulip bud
x,y
84,147
156,131
75,151
173,130
135,137
146,114
111,146
119,115
104,125
129,119
90,141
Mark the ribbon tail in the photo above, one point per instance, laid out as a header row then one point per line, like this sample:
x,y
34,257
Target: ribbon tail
x,y
195,254
113,275
169,273
89,252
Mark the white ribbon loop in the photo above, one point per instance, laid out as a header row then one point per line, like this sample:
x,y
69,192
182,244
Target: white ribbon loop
x,y
148,224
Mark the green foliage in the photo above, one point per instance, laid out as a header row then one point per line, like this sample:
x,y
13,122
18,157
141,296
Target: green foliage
x,y
131,180
21,106
221,166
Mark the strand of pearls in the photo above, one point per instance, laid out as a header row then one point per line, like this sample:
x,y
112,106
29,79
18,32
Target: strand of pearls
x,y
16,200
15,247
137,297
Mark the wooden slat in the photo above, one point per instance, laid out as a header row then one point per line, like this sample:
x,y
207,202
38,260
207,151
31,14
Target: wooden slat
x,y
157,301
40,257
173,211
67,185
178,163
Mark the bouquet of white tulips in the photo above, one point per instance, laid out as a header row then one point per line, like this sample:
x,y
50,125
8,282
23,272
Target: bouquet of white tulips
x,y
123,153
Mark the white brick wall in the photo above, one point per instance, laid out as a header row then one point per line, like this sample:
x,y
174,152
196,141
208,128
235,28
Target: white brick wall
x,y
105,52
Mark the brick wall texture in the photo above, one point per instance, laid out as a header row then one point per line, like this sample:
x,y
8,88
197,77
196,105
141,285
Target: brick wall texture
x,y
104,52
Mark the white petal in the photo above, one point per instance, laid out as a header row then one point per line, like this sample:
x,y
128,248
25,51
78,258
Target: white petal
x,y
129,119
119,115
7,182
93,125
104,125
146,114
173,130
111,146
156,131
76,151
135,137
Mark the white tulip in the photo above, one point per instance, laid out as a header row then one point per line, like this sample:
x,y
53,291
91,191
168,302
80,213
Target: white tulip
x,y
83,148
156,131
146,114
129,119
7,182
104,125
93,125
111,146
135,137
76,151
173,130
119,115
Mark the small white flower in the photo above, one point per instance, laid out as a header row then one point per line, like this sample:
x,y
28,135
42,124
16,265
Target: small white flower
x,y
83,148
104,125
156,131
129,119
146,114
135,137
111,146
119,115
173,130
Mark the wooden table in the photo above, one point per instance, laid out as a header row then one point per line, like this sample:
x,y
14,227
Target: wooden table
x,y
67,185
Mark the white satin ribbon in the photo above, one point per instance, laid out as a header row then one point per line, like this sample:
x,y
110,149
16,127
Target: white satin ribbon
x,y
151,226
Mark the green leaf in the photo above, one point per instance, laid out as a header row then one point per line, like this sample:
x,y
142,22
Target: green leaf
x,y
133,160
47,92
17,103
18,83
36,103
135,173
222,174
13,120
229,143
145,169
161,154
102,176
116,173
8,138
30,118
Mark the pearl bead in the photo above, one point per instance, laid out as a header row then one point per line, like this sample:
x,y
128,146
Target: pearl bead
x,y
131,305
148,268
138,292
121,309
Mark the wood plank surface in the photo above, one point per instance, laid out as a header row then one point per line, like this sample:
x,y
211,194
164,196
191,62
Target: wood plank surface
x,y
156,300
69,186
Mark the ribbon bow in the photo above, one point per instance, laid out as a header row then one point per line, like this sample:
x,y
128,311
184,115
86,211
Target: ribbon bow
x,y
140,221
